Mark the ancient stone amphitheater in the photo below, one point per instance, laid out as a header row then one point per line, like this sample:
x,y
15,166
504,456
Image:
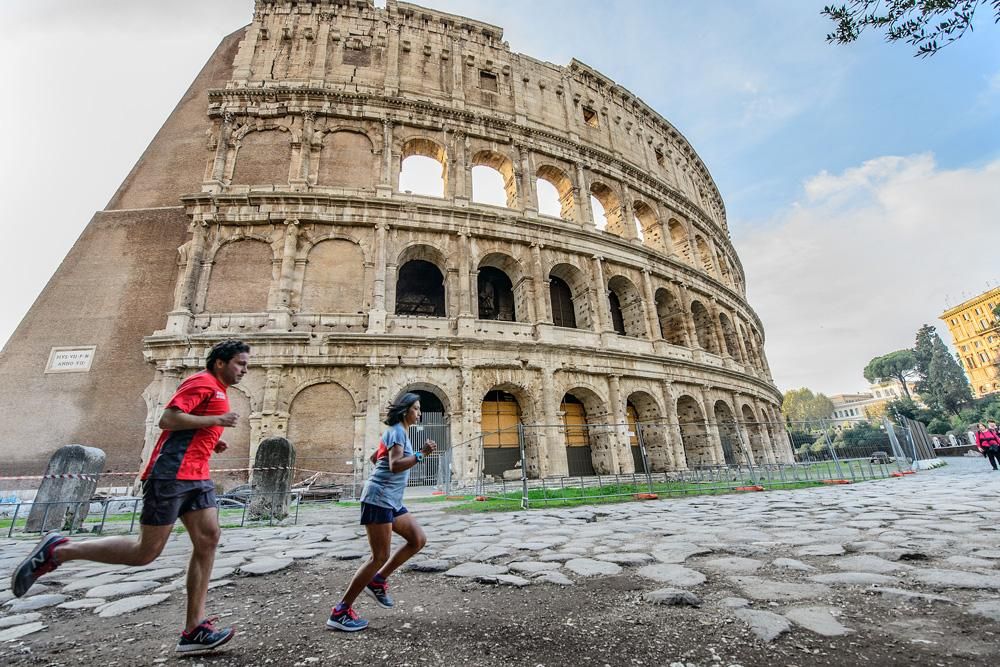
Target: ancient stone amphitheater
x,y
604,290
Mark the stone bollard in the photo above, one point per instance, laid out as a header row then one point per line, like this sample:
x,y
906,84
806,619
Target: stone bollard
x,y
62,504
272,478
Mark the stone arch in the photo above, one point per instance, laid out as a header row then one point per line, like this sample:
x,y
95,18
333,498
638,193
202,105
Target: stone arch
x,y
751,352
724,270
698,450
347,160
426,388
501,164
422,147
566,279
645,418
679,240
500,414
671,316
704,255
420,282
649,225
587,436
611,205
564,191
511,298
753,428
729,437
704,328
729,337
334,279
321,427
240,277
623,297
263,156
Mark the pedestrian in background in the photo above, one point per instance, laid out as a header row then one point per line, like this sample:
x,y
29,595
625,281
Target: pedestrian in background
x,y
988,442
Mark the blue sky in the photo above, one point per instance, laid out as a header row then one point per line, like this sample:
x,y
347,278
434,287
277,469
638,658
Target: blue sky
x,y
846,170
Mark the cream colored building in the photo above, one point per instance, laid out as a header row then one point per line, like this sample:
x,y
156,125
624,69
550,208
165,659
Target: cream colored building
x,y
975,333
269,208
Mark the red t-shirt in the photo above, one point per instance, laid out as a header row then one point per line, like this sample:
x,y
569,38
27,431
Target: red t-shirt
x,y
185,454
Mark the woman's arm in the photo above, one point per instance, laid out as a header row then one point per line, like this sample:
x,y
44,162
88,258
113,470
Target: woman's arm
x,y
398,462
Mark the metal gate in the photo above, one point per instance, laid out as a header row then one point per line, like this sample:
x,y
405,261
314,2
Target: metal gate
x,y
434,470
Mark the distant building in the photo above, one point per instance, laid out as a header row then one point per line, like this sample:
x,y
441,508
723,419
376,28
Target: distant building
x,y
849,409
975,332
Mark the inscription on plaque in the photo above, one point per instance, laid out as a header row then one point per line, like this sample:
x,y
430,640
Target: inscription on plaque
x,y
70,359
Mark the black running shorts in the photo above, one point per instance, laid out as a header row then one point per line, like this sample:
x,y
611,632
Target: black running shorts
x,y
163,500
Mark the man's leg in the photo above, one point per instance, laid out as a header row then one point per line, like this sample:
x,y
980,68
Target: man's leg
x,y
203,527
118,550
406,527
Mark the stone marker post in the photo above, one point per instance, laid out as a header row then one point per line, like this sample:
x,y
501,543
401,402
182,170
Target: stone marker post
x,y
272,478
62,503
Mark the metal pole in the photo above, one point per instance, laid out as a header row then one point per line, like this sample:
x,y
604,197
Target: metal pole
x,y
524,467
833,453
645,458
746,454
13,521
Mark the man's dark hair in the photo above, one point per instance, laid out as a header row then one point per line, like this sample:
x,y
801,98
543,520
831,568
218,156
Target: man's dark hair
x,y
225,351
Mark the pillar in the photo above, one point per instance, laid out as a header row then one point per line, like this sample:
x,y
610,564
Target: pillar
x,y
377,315
600,289
649,307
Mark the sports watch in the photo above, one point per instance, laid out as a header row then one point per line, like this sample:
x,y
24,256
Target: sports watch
x,y
419,455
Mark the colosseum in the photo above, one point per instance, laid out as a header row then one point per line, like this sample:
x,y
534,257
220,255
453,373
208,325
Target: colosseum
x,y
273,206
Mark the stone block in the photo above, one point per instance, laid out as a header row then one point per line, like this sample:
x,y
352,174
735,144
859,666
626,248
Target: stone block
x,y
62,503
272,479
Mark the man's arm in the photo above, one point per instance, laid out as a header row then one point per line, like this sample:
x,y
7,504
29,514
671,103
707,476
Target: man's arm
x,y
174,419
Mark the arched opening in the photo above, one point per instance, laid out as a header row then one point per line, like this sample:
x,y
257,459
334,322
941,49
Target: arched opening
x,y
493,180
704,328
263,157
568,292
705,256
698,450
517,307
607,209
751,352
727,276
757,446
671,316
240,278
679,239
555,193
347,160
627,316
588,438
725,422
501,414
420,290
646,422
334,279
238,438
423,168
729,337
434,426
648,226
632,420
321,428
496,295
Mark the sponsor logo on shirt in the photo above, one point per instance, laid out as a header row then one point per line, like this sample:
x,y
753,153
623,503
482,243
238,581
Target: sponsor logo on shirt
x,y
220,394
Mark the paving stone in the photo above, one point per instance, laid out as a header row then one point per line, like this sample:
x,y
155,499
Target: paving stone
x,y
677,552
853,578
347,554
18,631
676,575
491,552
503,580
765,589
261,566
532,567
986,608
820,620
19,619
588,567
673,597
476,570
129,604
734,564
626,558
82,603
868,563
121,588
820,550
904,594
970,562
792,564
735,603
92,582
558,557
157,574
302,554
957,579
479,531
766,625
37,602
429,565
557,578
220,583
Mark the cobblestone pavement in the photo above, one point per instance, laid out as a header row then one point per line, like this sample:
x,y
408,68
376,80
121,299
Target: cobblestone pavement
x,y
777,564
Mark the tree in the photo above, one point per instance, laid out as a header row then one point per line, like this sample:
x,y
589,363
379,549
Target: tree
x,y
898,365
801,405
922,352
946,389
920,23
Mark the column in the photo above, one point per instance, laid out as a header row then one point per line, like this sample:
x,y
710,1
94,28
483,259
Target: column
x,y
391,86
222,149
373,410
600,299
192,253
318,73
526,186
555,462
581,194
460,183
629,230
675,443
288,264
244,57
618,447
649,306
539,286
376,316
692,335
388,181
717,329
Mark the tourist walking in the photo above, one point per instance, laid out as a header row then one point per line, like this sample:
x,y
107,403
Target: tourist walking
x,y
176,485
988,442
383,512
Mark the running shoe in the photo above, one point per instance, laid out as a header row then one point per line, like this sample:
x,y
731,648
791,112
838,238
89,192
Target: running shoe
x,y
380,592
41,561
347,620
204,638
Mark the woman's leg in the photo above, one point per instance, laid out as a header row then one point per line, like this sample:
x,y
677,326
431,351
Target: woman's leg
x,y
380,540
408,528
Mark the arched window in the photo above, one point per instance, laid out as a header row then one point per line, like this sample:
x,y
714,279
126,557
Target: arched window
x,y
420,290
555,193
563,314
679,239
423,168
607,209
617,321
493,179
496,295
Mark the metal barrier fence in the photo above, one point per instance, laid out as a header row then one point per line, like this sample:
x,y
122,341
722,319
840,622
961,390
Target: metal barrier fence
x,y
604,461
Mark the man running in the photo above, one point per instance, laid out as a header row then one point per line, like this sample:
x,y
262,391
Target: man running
x,y
176,484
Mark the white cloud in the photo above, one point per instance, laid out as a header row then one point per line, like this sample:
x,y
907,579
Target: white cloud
x,y
867,256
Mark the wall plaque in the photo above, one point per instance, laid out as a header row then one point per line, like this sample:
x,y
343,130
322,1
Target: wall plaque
x,y
70,359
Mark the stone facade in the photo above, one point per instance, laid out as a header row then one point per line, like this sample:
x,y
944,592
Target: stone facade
x,y
282,165
975,332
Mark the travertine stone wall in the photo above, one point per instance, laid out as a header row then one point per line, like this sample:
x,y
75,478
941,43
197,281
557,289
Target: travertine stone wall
x,y
299,234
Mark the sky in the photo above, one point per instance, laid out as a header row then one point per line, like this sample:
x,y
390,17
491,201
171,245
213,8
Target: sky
x,y
862,185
